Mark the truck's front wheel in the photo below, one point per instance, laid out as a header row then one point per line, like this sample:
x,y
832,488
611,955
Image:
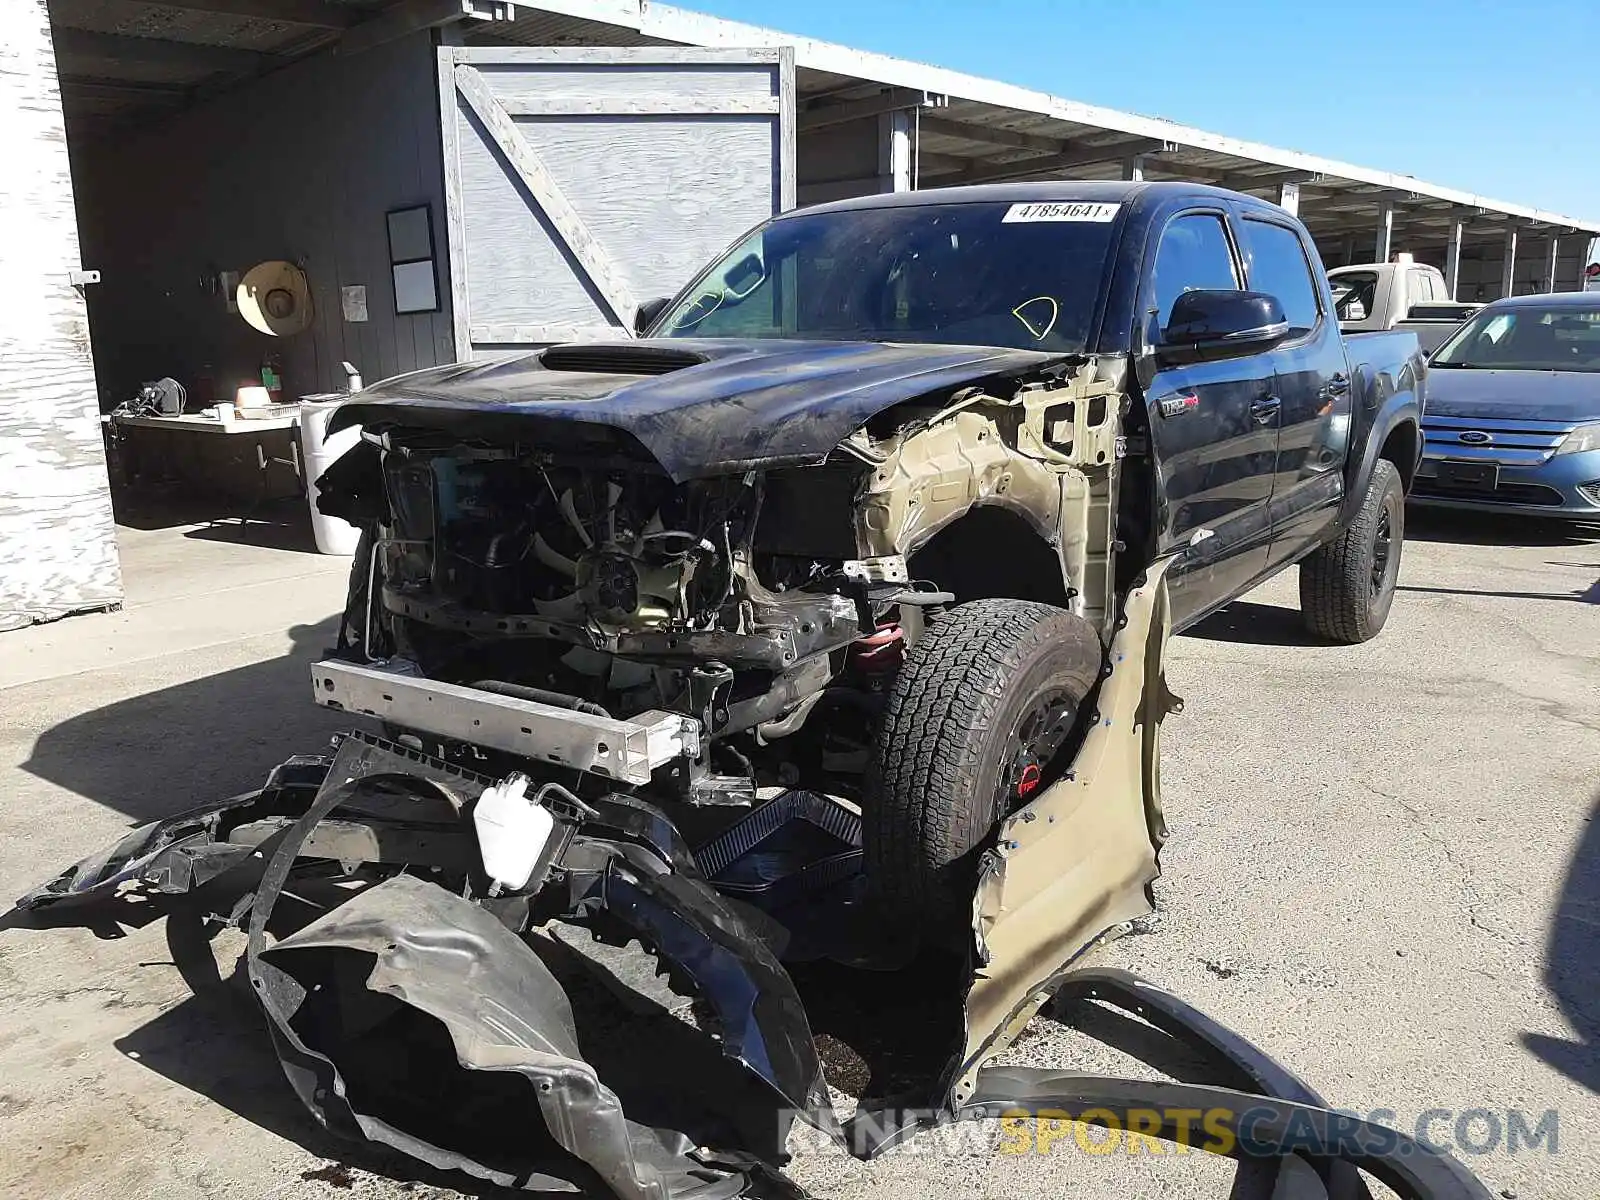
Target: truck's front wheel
x,y
1347,586
979,720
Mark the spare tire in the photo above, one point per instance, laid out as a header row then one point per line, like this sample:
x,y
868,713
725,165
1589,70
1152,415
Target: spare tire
x,y
980,718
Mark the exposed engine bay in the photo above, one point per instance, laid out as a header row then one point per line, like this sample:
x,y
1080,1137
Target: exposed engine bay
x,y
768,608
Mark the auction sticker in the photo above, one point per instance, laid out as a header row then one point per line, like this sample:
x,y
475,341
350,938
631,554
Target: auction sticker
x,y
1061,211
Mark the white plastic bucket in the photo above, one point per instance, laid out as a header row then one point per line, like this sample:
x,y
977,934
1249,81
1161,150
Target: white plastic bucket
x,y
319,452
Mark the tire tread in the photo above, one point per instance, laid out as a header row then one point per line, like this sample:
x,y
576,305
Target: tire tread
x,y
1334,579
927,806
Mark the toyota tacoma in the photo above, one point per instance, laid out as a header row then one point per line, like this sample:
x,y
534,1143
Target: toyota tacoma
x,y
810,638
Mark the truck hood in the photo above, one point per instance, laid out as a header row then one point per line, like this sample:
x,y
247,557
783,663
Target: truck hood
x,y
1513,395
699,407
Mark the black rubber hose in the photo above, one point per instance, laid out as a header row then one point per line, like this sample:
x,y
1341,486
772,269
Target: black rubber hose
x,y
539,695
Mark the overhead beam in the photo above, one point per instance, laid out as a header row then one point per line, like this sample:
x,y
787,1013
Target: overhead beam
x,y
1075,156
80,44
137,93
838,112
989,136
413,16
314,13
1240,182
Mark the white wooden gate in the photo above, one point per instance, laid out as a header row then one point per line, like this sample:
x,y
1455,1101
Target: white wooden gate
x,y
582,181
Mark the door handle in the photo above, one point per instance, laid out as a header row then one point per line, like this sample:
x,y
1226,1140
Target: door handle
x,y
1337,385
1264,409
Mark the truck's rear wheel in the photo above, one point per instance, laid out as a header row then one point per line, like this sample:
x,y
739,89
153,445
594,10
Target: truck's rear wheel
x,y
978,721
1347,586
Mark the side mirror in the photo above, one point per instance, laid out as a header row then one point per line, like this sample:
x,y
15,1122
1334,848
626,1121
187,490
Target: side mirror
x,y
1210,325
645,315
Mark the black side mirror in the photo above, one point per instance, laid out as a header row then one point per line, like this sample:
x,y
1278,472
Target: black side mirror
x,y
1210,325
645,315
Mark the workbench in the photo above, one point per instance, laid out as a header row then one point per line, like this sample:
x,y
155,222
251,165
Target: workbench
x,y
240,461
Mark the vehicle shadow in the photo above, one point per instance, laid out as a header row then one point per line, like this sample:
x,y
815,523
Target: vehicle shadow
x,y
1572,968
1255,624
1493,529
216,1045
1589,595
283,524
269,530
164,751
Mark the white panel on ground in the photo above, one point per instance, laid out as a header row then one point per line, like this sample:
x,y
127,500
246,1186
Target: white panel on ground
x,y
57,545
581,181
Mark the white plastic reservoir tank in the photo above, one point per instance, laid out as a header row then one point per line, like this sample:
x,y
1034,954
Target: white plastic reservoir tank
x,y
319,452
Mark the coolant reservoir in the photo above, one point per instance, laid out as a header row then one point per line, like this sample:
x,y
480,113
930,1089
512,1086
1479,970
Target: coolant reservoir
x,y
512,831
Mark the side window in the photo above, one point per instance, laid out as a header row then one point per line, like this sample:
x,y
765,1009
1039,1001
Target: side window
x,y
1194,254
1278,267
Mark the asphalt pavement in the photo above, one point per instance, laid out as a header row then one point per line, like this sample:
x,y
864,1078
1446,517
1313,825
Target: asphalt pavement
x,y
1383,868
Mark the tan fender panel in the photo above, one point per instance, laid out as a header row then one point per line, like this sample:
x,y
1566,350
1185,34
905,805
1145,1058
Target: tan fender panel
x,y
1081,857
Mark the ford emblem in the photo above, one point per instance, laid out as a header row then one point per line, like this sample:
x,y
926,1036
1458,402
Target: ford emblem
x,y
1474,437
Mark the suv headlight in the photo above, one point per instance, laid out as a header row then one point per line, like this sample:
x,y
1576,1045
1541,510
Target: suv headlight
x,y
1584,437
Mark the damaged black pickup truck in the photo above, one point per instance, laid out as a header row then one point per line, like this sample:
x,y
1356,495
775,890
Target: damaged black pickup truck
x,y
809,645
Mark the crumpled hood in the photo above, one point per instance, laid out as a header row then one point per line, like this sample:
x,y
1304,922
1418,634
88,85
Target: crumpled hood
x,y
699,407
1513,395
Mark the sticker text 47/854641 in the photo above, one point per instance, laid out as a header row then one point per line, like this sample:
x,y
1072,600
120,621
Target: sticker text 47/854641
x,y
1060,210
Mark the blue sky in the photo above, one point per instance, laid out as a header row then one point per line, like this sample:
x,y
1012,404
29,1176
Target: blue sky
x,y
1499,99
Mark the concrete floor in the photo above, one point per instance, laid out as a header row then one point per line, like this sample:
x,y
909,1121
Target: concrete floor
x,y
1384,868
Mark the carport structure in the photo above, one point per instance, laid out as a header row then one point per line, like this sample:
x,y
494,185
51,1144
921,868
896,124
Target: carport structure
x,y
865,122
549,166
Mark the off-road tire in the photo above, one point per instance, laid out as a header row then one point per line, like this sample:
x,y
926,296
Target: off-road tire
x,y
933,787
1344,594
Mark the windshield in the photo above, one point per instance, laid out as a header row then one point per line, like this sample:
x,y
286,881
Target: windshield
x,y
1526,338
1021,275
1354,294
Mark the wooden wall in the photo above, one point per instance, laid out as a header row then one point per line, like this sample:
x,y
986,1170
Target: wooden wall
x,y
57,545
591,179
302,165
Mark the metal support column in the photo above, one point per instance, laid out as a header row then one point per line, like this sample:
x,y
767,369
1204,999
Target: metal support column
x,y
1452,257
1380,250
894,140
1508,270
1551,262
1289,196
1133,169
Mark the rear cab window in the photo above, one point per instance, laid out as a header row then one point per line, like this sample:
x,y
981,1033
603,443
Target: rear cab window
x,y
1279,267
1354,294
1423,288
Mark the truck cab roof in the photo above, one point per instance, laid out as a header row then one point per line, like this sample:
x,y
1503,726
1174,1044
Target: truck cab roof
x,y
1047,191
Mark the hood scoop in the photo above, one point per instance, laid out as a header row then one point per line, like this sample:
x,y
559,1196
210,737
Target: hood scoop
x,y
619,358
